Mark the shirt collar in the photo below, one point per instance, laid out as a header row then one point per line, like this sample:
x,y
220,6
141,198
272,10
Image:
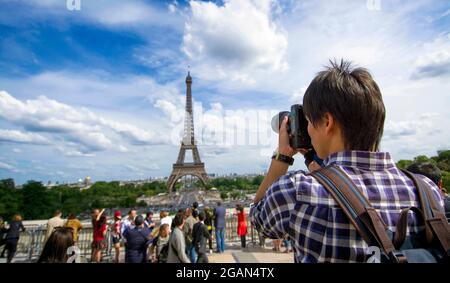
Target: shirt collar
x,y
361,159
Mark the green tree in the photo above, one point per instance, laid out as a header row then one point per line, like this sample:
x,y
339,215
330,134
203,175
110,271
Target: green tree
x,y
423,159
257,180
37,203
403,164
443,155
443,165
129,202
235,195
223,195
142,204
10,199
443,160
446,180
97,204
8,184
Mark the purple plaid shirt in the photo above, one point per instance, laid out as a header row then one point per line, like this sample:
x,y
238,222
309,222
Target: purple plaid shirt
x,y
297,205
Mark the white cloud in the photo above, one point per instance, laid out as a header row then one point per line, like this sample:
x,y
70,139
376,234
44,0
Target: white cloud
x,y
76,126
73,152
5,166
94,86
172,7
113,13
132,98
314,31
234,39
171,110
417,135
125,13
435,62
143,168
218,130
402,129
133,133
297,96
21,137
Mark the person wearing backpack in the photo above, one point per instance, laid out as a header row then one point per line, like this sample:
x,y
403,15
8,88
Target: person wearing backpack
x,y
345,113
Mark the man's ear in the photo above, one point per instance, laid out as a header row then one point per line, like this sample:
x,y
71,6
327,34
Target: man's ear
x,y
329,123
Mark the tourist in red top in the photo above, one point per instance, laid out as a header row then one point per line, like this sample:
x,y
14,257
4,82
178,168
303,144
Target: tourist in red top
x,y
242,224
99,238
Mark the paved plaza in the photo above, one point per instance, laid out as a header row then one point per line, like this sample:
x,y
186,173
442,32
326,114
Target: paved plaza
x,y
232,254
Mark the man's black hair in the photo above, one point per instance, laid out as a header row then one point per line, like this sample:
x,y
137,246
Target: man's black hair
x,y
354,100
138,220
178,219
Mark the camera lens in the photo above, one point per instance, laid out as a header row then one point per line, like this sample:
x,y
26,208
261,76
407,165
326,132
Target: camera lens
x,y
275,123
277,119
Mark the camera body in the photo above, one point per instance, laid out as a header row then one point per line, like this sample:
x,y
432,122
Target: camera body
x,y
297,127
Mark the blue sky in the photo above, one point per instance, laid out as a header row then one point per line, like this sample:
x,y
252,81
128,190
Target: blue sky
x,y
100,91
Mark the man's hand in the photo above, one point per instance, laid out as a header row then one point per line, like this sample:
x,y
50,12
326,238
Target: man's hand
x,y
283,140
277,168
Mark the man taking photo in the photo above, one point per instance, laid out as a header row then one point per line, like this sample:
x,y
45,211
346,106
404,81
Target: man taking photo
x,y
345,114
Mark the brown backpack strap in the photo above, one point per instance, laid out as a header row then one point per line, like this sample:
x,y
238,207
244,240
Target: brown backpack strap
x,y
356,206
435,220
402,225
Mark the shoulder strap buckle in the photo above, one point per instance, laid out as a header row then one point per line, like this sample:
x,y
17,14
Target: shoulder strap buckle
x,y
397,257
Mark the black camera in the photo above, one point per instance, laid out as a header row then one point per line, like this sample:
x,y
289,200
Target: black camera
x,y
297,127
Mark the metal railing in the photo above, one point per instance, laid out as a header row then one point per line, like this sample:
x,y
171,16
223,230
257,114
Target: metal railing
x,y
31,242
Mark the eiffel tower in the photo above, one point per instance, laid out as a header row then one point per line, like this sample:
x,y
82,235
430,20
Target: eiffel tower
x,y
182,168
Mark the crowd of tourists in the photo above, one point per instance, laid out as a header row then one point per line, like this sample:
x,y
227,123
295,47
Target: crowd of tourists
x,y
186,237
